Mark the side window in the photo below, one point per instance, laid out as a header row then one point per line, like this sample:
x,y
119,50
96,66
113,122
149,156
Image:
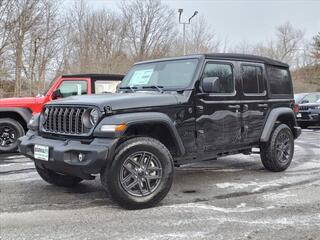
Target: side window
x,y
279,79
72,88
224,73
104,86
252,79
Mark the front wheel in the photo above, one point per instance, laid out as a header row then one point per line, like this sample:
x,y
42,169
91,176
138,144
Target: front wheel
x,y
276,155
141,173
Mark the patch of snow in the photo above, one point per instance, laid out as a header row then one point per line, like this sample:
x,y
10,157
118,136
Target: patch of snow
x,y
236,185
241,208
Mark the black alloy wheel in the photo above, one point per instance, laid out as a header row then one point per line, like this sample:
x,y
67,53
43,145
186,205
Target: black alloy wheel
x,y
141,174
10,131
7,136
276,155
283,147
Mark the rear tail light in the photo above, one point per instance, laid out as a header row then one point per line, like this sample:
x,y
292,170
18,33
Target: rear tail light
x,y
296,108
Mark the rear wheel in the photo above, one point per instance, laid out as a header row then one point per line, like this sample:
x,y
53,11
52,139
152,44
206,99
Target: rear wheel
x,y
55,178
10,131
276,155
141,173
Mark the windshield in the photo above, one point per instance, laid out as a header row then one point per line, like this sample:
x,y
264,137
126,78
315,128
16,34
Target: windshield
x,y
298,97
175,74
309,98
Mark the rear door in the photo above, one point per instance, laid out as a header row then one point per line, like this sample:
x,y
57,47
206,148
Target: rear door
x,y
105,86
254,101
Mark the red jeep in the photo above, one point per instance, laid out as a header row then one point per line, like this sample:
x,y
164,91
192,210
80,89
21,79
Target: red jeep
x,y
15,113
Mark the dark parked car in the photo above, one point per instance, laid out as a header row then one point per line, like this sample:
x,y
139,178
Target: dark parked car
x,y
166,113
309,109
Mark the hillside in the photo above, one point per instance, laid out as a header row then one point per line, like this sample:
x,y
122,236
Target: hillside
x,y
306,79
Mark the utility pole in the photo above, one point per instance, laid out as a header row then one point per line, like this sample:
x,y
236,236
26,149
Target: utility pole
x,y
180,10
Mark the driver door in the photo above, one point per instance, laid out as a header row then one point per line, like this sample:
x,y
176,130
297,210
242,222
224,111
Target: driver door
x,y
218,121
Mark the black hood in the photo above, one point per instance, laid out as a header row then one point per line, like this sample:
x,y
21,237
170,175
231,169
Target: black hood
x,y
309,104
118,101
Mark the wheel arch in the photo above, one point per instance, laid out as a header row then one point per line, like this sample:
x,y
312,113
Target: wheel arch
x,y
22,115
152,124
278,115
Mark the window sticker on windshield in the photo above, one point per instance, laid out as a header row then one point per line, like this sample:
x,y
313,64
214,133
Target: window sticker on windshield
x,y
141,77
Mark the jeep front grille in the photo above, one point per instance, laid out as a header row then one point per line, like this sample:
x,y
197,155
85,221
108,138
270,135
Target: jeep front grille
x,y
304,108
64,120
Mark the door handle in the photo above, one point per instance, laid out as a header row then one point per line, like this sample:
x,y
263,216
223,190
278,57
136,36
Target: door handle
x,y
234,106
262,105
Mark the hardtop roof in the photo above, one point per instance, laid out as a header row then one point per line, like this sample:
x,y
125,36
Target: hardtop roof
x,y
97,76
247,57
225,56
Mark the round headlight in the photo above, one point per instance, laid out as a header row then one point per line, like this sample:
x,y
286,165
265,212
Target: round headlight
x,y
94,116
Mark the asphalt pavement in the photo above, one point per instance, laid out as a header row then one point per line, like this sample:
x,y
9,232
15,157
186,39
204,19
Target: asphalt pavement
x,y
230,198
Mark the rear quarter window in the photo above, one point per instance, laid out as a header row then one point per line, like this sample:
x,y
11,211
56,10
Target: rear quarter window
x,y
279,80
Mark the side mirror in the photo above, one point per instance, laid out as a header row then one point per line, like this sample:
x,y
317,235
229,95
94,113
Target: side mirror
x,y
56,94
305,101
211,84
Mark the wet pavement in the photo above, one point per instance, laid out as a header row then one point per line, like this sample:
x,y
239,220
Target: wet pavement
x,y
229,198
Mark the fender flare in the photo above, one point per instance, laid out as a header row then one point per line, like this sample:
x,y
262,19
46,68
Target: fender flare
x,y
25,113
272,118
131,119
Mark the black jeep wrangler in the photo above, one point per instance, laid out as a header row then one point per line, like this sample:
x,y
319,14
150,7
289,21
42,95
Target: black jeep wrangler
x,y
166,113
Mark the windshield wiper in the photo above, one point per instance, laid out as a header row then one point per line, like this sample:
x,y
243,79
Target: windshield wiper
x,y
129,87
158,87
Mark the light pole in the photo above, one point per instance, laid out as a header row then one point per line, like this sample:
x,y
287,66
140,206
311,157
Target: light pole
x,y
180,10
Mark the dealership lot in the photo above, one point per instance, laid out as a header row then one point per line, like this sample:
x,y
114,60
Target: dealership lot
x,y
230,198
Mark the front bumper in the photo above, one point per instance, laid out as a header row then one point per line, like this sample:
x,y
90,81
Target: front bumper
x,y
63,154
311,118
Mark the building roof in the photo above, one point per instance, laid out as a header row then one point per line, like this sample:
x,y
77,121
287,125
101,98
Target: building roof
x,y
97,76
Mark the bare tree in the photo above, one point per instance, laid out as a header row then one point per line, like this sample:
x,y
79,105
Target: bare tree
x,y
285,46
289,40
27,13
201,38
315,52
150,28
93,41
243,47
38,43
6,23
6,27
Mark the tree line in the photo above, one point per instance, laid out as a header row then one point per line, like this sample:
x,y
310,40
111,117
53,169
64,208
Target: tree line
x,y
40,41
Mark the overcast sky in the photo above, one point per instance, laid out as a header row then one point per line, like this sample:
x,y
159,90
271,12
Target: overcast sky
x,y
245,20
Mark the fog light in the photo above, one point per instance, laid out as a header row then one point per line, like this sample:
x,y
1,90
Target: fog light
x,y
81,157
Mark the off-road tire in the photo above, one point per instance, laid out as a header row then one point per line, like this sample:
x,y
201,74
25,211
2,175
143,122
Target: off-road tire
x,y
268,151
19,130
110,177
55,178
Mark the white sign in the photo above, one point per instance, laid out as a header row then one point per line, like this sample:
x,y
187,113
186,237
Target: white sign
x,y
141,77
41,152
